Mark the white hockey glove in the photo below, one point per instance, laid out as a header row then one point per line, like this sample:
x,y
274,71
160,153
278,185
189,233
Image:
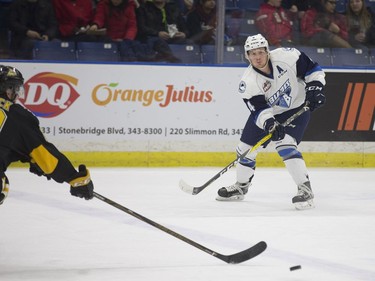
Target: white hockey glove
x,y
4,188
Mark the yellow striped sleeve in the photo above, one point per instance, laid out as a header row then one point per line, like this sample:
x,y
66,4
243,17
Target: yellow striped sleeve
x,y
45,160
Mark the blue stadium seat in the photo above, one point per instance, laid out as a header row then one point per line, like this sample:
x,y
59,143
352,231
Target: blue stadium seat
x,y
371,4
321,55
248,5
372,56
230,5
232,54
247,28
133,50
232,26
187,53
350,57
208,54
54,50
97,51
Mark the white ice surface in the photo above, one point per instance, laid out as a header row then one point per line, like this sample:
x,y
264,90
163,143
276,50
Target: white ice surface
x,y
46,234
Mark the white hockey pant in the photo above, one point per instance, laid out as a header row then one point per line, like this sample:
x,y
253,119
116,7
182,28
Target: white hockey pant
x,y
286,148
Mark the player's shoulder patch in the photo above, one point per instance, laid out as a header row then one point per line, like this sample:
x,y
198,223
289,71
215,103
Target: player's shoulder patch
x,y
245,79
242,87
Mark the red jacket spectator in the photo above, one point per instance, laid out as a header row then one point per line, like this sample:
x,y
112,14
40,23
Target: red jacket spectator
x,y
119,19
273,22
72,15
314,22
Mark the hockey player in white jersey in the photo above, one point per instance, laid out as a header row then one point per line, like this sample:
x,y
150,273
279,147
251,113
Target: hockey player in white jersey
x,y
276,85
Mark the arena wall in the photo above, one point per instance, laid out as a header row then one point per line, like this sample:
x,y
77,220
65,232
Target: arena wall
x,y
164,115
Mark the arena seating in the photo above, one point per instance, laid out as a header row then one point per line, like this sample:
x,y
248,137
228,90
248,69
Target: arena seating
x,y
97,51
54,50
190,54
350,57
320,55
193,54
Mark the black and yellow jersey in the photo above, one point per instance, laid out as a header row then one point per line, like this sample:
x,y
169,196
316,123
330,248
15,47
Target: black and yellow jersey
x,y
22,140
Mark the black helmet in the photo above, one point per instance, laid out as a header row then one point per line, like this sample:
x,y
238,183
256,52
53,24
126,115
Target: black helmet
x,y
11,83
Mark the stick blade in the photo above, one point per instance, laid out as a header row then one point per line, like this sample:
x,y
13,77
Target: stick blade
x,y
247,254
187,188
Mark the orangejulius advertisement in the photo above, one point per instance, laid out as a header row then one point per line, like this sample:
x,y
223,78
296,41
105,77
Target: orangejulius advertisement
x,y
131,107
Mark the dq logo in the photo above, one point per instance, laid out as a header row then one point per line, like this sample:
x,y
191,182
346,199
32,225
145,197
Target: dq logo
x,y
49,94
357,113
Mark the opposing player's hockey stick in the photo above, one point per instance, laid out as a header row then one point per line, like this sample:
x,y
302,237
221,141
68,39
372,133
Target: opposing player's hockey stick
x,y
233,259
194,190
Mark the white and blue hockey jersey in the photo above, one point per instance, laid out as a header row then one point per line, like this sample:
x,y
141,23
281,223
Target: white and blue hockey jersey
x,y
282,90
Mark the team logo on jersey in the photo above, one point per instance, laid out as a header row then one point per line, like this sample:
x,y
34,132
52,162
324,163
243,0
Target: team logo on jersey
x,y
242,87
282,97
49,94
266,86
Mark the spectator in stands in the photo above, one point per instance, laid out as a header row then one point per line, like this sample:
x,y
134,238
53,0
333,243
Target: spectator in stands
x,y
201,22
361,24
161,23
273,22
74,18
322,26
186,6
4,29
162,19
296,8
118,17
31,20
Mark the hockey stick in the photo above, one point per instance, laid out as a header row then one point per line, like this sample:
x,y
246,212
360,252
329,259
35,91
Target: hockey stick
x,y
194,190
233,259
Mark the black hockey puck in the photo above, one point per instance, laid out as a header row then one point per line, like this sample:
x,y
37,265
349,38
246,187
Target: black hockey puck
x,y
295,267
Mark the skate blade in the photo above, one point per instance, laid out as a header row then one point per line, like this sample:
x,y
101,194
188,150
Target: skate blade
x,y
309,204
232,198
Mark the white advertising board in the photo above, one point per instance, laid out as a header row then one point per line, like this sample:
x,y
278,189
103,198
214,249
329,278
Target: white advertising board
x,y
115,107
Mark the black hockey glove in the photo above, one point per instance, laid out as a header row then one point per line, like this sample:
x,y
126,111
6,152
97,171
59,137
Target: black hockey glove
x,y
271,126
315,97
4,188
35,169
81,185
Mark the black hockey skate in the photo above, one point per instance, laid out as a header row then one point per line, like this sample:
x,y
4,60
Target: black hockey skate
x,y
304,198
234,192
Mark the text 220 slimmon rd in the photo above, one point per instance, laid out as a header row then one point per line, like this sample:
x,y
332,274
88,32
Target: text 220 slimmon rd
x,y
193,131
138,131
